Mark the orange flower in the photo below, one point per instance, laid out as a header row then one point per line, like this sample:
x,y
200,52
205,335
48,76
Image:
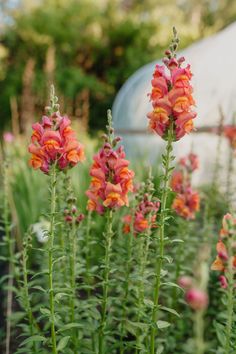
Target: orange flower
x,y
111,180
144,216
230,134
186,204
223,261
54,140
171,98
218,264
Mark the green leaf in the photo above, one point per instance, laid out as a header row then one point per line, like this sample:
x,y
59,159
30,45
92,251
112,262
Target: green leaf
x,y
160,349
148,303
2,258
59,296
170,310
33,339
69,326
162,324
168,258
45,312
63,343
176,240
17,316
220,333
169,283
37,287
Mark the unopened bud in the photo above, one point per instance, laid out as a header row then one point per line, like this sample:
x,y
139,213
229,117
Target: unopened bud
x,y
73,209
80,218
68,218
197,299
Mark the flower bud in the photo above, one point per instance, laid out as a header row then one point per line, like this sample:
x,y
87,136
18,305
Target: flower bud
x,y
71,199
66,211
223,282
197,299
80,218
68,219
73,209
185,282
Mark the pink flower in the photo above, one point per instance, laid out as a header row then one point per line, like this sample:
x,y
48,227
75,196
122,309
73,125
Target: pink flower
x,y
197,299
52,141
230,134
187,201
144,216
185,282
111,180
171,98
190,162
223,282
186,204
8,137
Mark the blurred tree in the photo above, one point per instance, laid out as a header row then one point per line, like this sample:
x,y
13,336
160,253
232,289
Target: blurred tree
x,y
89,48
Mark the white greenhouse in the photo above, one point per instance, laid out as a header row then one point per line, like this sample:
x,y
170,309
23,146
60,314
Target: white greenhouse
x,y
213,65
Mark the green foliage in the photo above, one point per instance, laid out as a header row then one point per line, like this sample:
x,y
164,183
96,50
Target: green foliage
x,y
83,281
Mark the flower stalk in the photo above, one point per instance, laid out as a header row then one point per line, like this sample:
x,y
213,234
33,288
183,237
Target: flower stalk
x,y
11,245
87,256
108,241
27,304
230,302
126,287
73,252
166,161
53,182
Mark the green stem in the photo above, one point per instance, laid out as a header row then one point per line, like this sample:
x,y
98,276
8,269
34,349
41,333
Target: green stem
x,y
140,289
126,292
230,306
143,256
62,193
108,239
166,165
26,292
88,274
199,332
53,182
129,242
87,256
180,256
10,245
73,251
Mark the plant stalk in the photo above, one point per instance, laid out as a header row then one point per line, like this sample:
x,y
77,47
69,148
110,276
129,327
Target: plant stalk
x,y
11,267
26,291
73,252
230,304
199,332
108,240
53,181
166,164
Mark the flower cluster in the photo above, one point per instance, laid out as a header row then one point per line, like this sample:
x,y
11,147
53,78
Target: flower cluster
x,y
230,134
195,297
111,178
224,247
171,96
72,215
186,202
190,162
54,141
144,216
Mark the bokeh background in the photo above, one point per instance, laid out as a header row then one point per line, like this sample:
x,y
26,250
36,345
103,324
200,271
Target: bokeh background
x,y
89,49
